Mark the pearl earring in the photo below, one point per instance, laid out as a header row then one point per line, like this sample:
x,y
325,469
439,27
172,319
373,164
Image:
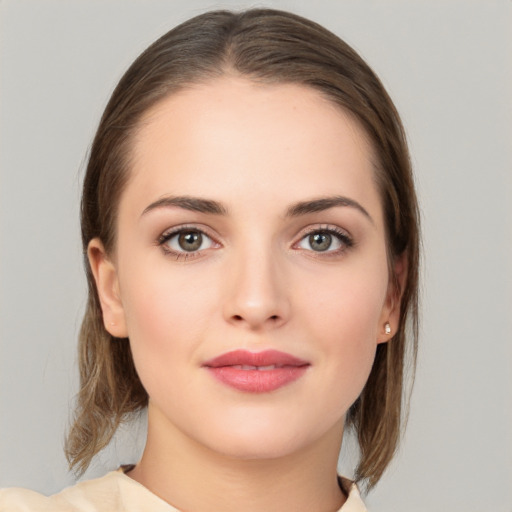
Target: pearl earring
x,y
387,328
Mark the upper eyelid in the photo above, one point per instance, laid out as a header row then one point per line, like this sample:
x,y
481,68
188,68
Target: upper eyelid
x,y
186,227
330,228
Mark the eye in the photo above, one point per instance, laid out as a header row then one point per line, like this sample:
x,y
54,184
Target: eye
x,y
186,240
325,240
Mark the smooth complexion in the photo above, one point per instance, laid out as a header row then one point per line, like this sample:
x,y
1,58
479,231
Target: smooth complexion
x,y
251,221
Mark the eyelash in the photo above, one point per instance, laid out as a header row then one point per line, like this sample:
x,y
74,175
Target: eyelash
x,y
345,240
165,237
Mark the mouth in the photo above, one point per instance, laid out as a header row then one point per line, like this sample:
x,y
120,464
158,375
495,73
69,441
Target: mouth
x,y
256,372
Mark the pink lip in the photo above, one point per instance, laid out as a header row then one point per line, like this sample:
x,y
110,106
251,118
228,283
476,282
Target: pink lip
x,y
228,368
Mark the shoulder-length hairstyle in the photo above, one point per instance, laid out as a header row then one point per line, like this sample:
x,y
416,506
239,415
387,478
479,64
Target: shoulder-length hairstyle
x,y
265,46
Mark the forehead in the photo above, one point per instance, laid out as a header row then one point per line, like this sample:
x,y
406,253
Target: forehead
x,y
235,137
238,101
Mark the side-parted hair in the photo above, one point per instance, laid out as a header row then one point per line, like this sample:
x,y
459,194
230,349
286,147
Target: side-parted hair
x,y
271,47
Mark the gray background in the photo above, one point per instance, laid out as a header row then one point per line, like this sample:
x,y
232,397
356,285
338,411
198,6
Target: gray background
x,y
448,67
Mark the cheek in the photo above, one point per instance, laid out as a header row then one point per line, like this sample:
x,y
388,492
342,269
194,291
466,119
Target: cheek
x,y
342,313
350,334
347,301
163,328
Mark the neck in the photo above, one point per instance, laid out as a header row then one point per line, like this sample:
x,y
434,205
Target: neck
x,y
191,476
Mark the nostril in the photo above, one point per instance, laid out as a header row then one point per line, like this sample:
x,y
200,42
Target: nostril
x,y
240,318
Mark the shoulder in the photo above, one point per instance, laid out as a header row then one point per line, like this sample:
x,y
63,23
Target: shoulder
x,y
114,492
101,494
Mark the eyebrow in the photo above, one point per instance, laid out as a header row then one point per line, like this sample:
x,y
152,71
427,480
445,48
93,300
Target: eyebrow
x,y
197,204
325,203
194,204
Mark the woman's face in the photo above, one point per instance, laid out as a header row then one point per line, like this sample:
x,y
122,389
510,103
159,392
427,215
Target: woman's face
x,y
250,272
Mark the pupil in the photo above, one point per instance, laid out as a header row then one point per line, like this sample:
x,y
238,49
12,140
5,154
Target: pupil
x,y
320,241
190,241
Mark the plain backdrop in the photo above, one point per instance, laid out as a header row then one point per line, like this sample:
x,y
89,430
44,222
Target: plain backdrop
x,y
447,65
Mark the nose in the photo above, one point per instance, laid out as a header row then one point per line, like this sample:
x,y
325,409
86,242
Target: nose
x,y
257,296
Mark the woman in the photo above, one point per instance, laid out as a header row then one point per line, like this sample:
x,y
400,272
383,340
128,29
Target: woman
x,y
251,232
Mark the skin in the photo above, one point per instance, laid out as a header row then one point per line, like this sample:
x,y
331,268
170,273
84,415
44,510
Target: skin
x,y
257,283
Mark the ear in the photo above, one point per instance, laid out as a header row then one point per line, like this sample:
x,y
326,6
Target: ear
x,y
107,285
390,316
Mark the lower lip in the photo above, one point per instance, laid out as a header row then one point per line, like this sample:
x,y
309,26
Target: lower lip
x,y
257,381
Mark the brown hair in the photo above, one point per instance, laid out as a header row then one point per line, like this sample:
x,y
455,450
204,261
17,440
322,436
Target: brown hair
x,y
273,47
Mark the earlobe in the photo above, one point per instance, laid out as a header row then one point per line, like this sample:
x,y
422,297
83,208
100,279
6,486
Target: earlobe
x,y
107,285
390,318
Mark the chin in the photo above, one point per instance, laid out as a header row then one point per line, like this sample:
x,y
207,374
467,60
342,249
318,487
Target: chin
x,y
261,439
257,447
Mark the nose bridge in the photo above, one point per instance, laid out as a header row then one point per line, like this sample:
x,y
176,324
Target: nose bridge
x,y
256,295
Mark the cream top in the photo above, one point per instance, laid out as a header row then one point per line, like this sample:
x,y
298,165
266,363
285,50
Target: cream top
x,y
114,492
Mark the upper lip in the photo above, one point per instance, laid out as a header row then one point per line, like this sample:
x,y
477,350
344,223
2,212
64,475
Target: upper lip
x,y
247,358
